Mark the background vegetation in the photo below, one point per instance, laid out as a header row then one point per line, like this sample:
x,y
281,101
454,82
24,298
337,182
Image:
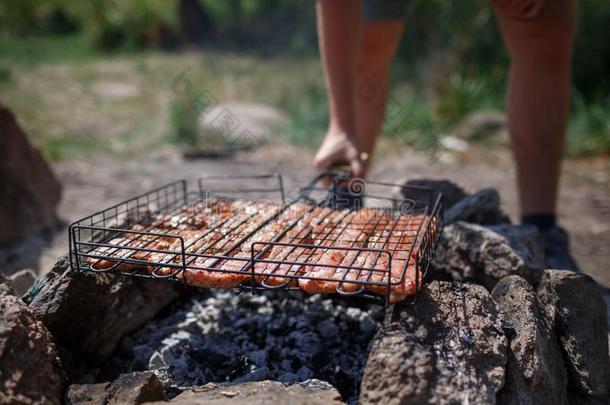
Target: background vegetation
x,y
450,64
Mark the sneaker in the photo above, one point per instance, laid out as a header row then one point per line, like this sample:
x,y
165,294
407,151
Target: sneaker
x,y
557,250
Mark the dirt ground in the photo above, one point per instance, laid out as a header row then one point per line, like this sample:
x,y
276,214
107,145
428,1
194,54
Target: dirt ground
x,y
91,185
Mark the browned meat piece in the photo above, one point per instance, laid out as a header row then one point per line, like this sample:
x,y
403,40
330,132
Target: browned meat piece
x,y
206,271
301,233
352,233
402,269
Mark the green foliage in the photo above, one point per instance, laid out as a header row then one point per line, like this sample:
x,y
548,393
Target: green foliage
x,y
409,120
278,24
35,17
465,94
183,121
68,147
34,50
113,24
589,130
591,65
5,74
308,111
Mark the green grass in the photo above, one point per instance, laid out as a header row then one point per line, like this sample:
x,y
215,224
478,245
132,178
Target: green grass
x,y
589,129
37,50
56,88
65,148
464,94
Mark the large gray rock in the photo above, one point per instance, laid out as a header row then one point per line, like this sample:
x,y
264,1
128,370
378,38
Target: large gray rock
x,y
447,348
22,280
30,369
488,254
129,389
452,193
482,207
535,373
87,394
575,306
30,191
481,124
310,392
89,313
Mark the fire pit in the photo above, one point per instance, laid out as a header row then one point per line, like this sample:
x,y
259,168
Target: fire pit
x,y
275,249
490,326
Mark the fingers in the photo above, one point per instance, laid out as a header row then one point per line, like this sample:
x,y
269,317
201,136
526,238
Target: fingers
x,y
521,9
534,9
358,169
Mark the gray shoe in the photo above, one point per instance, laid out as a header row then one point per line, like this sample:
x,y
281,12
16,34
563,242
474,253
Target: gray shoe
x,y
557,250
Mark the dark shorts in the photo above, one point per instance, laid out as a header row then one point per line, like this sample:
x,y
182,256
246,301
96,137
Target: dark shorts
x,y
386,10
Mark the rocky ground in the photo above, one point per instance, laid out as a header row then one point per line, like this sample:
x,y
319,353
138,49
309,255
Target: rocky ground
x,y
491,326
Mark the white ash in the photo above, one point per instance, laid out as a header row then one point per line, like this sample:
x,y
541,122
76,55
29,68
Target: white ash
x,y
220,337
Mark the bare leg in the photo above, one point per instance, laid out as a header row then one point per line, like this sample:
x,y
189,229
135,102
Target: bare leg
x,y
339,25
539,100
377,48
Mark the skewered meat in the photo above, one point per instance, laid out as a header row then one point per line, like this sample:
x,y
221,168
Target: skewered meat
x,y
301,234
402,270
320,249
207,270
325,275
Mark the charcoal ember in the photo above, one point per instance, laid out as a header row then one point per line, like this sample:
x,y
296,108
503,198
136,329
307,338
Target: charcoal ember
x,y
577,311
305,373
259,358
254,375
263,392
419,357
485,255
286,365
90,313
30,367
216,336
580,399
482,207
535,373
367,326
288,378
131,389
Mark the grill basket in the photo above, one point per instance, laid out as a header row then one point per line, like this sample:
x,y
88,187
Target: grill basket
x,y
125,237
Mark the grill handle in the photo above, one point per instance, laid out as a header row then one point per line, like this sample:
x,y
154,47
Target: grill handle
x,y
340,194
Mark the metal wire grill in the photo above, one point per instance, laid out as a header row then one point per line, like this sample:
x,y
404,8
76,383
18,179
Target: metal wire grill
x,y
363,243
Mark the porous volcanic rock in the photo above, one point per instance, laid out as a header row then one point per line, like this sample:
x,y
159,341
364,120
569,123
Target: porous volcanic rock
x,y
22,280
485,255
448,348
535,373
89,313
452,193
482,207
577,311
129,389
311,392
30,369
30,190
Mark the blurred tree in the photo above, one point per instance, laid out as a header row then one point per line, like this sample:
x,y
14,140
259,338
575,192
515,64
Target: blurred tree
x,y
195,23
